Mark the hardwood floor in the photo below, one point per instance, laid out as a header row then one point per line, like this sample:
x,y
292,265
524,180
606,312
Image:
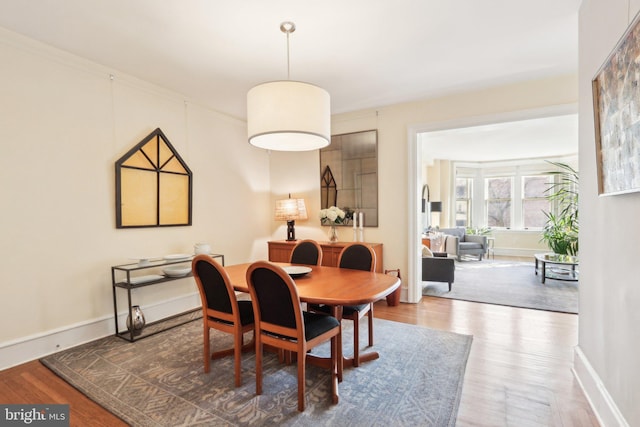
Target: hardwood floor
x,y
518,373
519,368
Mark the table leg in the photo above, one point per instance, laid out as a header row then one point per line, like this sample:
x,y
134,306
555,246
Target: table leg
x,y
544,270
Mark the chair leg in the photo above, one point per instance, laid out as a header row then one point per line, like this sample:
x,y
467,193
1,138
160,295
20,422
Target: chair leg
x,y
449,286
258,364
334,369
237,352
356,342
370,314
301,379
207,356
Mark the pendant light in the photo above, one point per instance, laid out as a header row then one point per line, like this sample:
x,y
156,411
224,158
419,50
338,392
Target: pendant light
x,y
288,115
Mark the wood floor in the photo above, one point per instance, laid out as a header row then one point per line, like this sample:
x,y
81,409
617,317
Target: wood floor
x,y
518,373
519,369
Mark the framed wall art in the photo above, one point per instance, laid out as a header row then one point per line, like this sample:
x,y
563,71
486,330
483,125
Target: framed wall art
x,y
153,185
616,105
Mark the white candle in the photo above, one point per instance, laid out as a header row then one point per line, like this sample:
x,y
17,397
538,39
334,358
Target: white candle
x,y
361,220
355,220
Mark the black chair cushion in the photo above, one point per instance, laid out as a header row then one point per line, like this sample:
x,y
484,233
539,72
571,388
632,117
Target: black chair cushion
x,y
246,313
356,257
305,253
348,310
316,324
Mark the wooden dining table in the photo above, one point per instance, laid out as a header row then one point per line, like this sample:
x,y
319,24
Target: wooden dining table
x,y
335,287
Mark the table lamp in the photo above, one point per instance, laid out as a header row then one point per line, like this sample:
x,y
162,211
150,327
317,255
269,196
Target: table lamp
x,y
289,210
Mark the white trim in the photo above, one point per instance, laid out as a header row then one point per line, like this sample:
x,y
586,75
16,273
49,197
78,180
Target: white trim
x,y
414,289
599,398
15,352
414,158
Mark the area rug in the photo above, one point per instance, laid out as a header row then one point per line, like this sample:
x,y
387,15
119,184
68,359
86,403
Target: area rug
x,y
160,381
510,283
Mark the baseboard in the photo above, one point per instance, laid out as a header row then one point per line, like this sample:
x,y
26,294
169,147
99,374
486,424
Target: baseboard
x,y
599,398
25,349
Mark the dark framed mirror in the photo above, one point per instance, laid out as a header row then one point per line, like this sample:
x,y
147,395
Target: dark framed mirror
x,y
349,175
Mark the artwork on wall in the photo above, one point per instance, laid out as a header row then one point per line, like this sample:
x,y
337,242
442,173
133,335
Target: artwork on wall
x,y
153,185
616,104
349,175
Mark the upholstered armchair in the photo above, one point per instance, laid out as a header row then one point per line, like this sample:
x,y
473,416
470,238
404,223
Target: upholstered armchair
x,y
437,267
458,242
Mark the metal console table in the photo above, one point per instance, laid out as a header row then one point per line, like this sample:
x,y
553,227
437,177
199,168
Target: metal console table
x,y
122,278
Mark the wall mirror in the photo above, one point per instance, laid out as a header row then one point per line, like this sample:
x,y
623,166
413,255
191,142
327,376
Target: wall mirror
x,y
153,185
349,175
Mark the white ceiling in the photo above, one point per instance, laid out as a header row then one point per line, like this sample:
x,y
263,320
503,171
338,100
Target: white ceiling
x,y
523,139
366,53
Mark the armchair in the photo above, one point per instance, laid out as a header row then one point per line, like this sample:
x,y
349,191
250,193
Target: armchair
x,y
458,243
437,267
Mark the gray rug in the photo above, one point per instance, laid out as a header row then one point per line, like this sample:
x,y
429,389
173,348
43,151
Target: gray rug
x,y
510,283
159,381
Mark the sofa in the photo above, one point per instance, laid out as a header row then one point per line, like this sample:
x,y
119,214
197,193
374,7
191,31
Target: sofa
x,y
437,267
458,243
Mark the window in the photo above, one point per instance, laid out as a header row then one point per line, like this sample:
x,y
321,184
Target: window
x,y
464,192
534,200
498,193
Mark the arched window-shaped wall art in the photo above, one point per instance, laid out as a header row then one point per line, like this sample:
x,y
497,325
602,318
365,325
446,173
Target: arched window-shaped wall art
x,y
153,185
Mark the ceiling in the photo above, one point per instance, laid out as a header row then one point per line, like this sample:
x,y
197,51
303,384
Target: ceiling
x,y
523,139
365,53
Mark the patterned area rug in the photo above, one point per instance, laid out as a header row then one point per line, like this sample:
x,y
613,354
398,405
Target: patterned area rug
x,y
160,381
511,283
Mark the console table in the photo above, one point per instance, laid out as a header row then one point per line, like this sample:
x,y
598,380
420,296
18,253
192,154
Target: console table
x,y
126,277
280,251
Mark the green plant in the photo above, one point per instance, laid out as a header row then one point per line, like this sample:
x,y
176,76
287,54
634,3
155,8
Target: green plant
x,y
482,231
561,229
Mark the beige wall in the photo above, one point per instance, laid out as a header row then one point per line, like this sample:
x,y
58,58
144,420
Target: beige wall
x,y
395,125
607,356
64,123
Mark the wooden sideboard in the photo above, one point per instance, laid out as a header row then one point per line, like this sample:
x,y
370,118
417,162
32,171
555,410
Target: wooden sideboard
x,y
280,251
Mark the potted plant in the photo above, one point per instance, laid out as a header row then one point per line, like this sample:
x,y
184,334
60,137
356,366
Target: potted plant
x,y
561,229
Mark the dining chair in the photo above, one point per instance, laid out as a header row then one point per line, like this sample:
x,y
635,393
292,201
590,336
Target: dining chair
x,y
221,310
281,323
306,252
358,256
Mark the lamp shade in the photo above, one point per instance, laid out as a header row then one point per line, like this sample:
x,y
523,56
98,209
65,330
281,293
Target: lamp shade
x,y
290,210
288,116
435,206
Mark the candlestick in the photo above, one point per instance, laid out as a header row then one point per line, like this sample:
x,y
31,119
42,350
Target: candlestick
x,y
361,221
355,220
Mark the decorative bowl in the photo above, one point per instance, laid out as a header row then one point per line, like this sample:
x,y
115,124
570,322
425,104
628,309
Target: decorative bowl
x,y
176,271
297,270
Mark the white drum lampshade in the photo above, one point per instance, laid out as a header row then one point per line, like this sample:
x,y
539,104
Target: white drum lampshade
x,y
288,116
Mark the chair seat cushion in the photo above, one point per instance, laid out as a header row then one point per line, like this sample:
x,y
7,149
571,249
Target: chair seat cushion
x,y
470,245
316,324
348,310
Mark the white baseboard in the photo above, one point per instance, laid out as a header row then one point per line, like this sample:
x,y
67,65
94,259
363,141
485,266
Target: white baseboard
x,y
599,398
19,351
